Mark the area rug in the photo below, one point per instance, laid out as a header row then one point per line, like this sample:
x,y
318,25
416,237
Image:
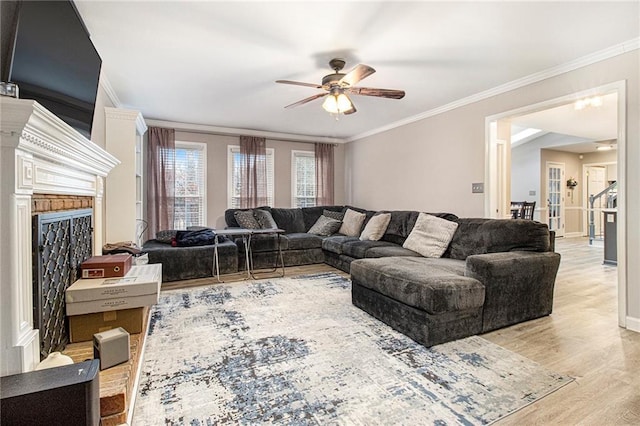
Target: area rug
x,y
296,351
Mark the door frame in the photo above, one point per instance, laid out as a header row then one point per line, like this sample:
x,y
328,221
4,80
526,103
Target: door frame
x,y
493,178
563,219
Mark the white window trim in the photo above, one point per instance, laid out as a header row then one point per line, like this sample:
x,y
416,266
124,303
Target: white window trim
x,y
201,147
271,158
294,180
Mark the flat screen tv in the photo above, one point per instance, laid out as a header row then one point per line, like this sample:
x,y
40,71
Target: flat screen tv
x,y
54,62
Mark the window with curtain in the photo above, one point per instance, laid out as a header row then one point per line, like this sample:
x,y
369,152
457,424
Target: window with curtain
x,y
190,202
234,173
303,179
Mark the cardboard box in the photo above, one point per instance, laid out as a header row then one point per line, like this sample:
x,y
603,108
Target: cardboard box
x,y
140,287
83,327
112,265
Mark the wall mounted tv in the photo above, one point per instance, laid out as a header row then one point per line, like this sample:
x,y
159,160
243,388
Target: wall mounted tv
x,y
54,62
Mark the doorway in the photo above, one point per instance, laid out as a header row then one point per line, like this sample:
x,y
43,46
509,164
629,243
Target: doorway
x,y
497,177
555,198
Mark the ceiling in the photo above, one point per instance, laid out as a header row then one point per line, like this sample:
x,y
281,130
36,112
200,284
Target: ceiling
x,y
215,63
595,125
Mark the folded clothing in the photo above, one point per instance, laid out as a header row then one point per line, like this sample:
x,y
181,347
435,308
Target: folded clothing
x,y
199,237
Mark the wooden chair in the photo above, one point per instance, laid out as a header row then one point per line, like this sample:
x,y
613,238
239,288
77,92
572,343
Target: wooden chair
x,y
527,210
516,209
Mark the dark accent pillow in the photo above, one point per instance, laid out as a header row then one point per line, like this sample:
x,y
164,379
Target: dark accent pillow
x,y
265,219
325,226
333,215
165,236
246,219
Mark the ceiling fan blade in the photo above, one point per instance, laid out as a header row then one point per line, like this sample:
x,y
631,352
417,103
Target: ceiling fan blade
x,y
297,83
355,75
381,93
352,110
305,100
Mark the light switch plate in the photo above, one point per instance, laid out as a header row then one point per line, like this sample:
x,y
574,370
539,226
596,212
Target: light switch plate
x,y
477,188
532,192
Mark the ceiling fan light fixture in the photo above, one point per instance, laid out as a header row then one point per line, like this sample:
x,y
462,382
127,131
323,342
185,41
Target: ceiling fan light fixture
x,y
337,103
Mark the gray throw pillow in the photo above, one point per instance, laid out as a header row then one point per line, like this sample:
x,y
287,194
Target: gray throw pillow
x,y
166,236
246,219
265,220
325,226
333,215
430,235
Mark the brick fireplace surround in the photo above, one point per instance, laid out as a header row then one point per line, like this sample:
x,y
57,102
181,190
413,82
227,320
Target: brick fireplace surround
x,y
45,165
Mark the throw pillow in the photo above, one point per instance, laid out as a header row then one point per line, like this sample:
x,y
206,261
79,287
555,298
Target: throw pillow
x,y
265,220
165,236
430,235
325,226
376,227
246,219
333,215
352,223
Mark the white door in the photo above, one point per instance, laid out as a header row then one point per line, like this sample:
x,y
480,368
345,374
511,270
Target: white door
x,y
596,183
555,197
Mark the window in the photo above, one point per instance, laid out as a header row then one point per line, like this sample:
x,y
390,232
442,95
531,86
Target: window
x,y
190,185
303,179
233,176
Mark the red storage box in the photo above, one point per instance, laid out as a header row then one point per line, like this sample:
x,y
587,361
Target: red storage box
x,y
112,265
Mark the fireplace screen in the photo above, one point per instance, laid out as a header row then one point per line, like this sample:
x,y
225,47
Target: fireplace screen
x,y
61,242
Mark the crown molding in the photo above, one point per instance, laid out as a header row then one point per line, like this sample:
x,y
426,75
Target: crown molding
x,y
108,89
231,131
584,61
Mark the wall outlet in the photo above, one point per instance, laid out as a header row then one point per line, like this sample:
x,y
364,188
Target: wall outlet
x,y
532,193
477,188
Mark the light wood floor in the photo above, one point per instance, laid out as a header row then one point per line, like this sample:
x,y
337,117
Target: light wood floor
x,y
581,338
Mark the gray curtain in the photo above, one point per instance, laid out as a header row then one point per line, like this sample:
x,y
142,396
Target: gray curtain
x,y
324,174
253,175
161,146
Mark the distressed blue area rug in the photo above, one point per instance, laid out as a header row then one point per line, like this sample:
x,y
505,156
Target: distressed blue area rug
x,y
296,351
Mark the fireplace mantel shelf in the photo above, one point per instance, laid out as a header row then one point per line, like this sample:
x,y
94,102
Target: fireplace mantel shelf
x,y
39,153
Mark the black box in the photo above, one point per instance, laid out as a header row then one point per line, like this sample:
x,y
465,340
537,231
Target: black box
x,y
66,395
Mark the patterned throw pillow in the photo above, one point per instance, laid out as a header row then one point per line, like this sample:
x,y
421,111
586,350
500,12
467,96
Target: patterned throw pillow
x,y
376,227
265,220
166,236
430,235
352,223
325,226
246,219
333,215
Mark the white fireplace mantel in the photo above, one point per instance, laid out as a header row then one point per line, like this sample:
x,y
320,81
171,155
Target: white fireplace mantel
x,y
39,154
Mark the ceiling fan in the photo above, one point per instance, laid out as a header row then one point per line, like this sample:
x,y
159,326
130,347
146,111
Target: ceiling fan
x,y
339,85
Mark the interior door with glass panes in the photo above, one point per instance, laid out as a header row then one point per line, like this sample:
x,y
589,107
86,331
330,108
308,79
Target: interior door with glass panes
x,y
555,197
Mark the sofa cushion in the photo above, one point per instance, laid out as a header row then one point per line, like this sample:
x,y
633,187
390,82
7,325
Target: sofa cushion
x,y
352,223
229,216
402,222
479,236
264,219
390,250
375,228
337,215
325,226
246,219
260,243
358,249
430,236
335,243
302,241
433,285
291,220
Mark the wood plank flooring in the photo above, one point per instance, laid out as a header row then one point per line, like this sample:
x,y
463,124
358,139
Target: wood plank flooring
x,y
581,338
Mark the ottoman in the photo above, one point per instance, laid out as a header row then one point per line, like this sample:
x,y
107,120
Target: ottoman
x,y
428,300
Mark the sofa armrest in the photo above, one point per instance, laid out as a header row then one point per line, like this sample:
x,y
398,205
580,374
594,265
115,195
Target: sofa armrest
x,y
518,285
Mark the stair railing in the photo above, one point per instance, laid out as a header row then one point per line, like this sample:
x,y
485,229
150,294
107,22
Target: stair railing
x,y
612,195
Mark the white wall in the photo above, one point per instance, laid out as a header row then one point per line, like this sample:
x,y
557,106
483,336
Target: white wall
x,y
525,173
217,171
429,165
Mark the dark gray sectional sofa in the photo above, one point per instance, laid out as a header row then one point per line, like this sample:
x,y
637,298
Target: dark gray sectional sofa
x,y
494,273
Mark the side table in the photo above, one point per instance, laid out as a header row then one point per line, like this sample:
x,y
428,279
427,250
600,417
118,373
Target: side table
x,y
277,232
232,232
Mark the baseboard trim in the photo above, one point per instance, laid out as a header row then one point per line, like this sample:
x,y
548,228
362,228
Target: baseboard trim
x,y
633,324
573,234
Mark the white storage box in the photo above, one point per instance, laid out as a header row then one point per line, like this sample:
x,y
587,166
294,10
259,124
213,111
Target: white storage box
x,y
140,287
